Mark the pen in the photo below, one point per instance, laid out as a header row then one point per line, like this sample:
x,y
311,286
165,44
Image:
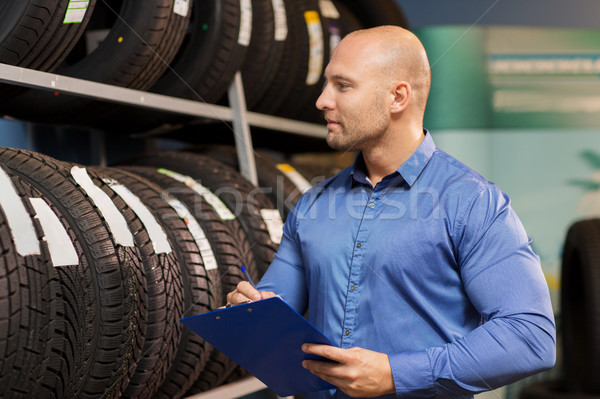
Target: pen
x,y
248,276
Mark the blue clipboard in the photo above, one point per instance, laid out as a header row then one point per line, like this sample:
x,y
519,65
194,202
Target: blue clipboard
x,y
265,338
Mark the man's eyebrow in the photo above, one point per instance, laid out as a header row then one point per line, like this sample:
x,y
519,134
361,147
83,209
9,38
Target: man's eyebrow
x,y
340,77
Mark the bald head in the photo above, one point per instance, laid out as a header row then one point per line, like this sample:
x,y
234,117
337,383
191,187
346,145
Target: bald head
x,y
398,53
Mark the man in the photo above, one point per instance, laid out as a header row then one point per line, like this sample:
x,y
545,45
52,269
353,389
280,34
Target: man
x,y
415,265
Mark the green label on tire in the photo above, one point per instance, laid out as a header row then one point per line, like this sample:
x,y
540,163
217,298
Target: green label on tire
x,y
76,11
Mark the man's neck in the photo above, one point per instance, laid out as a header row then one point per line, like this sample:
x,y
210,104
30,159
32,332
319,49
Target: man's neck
x,y
389,155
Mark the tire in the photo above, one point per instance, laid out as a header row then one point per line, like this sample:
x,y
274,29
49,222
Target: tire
x,y
103,295
203,69
552,390
140,44
199,286
580,306
159,250
373,13
32,334
337,22
294,56
238,374
246,203
230,248
34,34
313,47
280,181
207,62
269,27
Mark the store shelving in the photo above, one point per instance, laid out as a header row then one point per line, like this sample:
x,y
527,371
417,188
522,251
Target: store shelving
x,y
237,114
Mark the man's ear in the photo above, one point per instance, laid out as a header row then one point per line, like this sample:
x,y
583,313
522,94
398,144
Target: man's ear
x,y
402,93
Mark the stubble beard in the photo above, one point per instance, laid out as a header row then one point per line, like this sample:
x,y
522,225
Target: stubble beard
x,y
358,135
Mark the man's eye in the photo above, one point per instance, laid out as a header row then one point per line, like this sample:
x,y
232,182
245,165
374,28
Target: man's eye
x,y
343,86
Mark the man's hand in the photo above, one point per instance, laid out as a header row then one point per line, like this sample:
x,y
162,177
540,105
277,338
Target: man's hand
x,y
245,292
358,372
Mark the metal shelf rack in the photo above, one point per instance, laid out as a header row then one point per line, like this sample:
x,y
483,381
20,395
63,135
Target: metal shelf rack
x,y
237,113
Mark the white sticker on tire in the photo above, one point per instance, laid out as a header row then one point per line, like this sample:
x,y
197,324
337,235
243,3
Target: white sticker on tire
x,y
206,252
299,181
181,7
61,248
315,34
18,220
214,201
76,11
281,26
155,231
328,9
245,23
115,220
274,224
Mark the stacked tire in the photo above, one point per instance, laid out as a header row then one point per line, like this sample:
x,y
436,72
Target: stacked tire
x,y
182,48
98,264
39,34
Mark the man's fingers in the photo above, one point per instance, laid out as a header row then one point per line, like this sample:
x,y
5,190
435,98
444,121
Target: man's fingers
x,y
267,294
330,352
333,373
244,292
247,290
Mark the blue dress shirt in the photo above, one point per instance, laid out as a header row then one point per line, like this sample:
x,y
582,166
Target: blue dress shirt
x,y
431,266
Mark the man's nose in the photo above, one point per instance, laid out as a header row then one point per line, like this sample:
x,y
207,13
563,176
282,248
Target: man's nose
x,y
325,100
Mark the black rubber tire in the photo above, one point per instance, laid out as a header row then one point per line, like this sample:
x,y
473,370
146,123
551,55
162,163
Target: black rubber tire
x,y
227,238
33,35
373,13
238,374
580,306
552,390
294,56
211,56
141,43
300,104
195,288
280,189
32,333
244,200
164,281
104,295
230,247
308,77
202,70
336,25
264,52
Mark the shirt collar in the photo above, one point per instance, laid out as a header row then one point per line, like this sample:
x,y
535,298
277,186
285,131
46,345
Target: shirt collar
x,y
409,170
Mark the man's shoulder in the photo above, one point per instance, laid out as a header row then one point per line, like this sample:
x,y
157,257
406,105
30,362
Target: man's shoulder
x,y
458,173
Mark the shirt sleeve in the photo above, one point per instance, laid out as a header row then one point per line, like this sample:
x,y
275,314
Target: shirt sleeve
x,y
503,279
285,276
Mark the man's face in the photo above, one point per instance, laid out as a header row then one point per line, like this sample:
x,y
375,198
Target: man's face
x,y
354,99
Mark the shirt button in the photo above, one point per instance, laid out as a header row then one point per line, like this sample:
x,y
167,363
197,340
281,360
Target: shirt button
x,y
358,245
353,288
371,205
347,332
